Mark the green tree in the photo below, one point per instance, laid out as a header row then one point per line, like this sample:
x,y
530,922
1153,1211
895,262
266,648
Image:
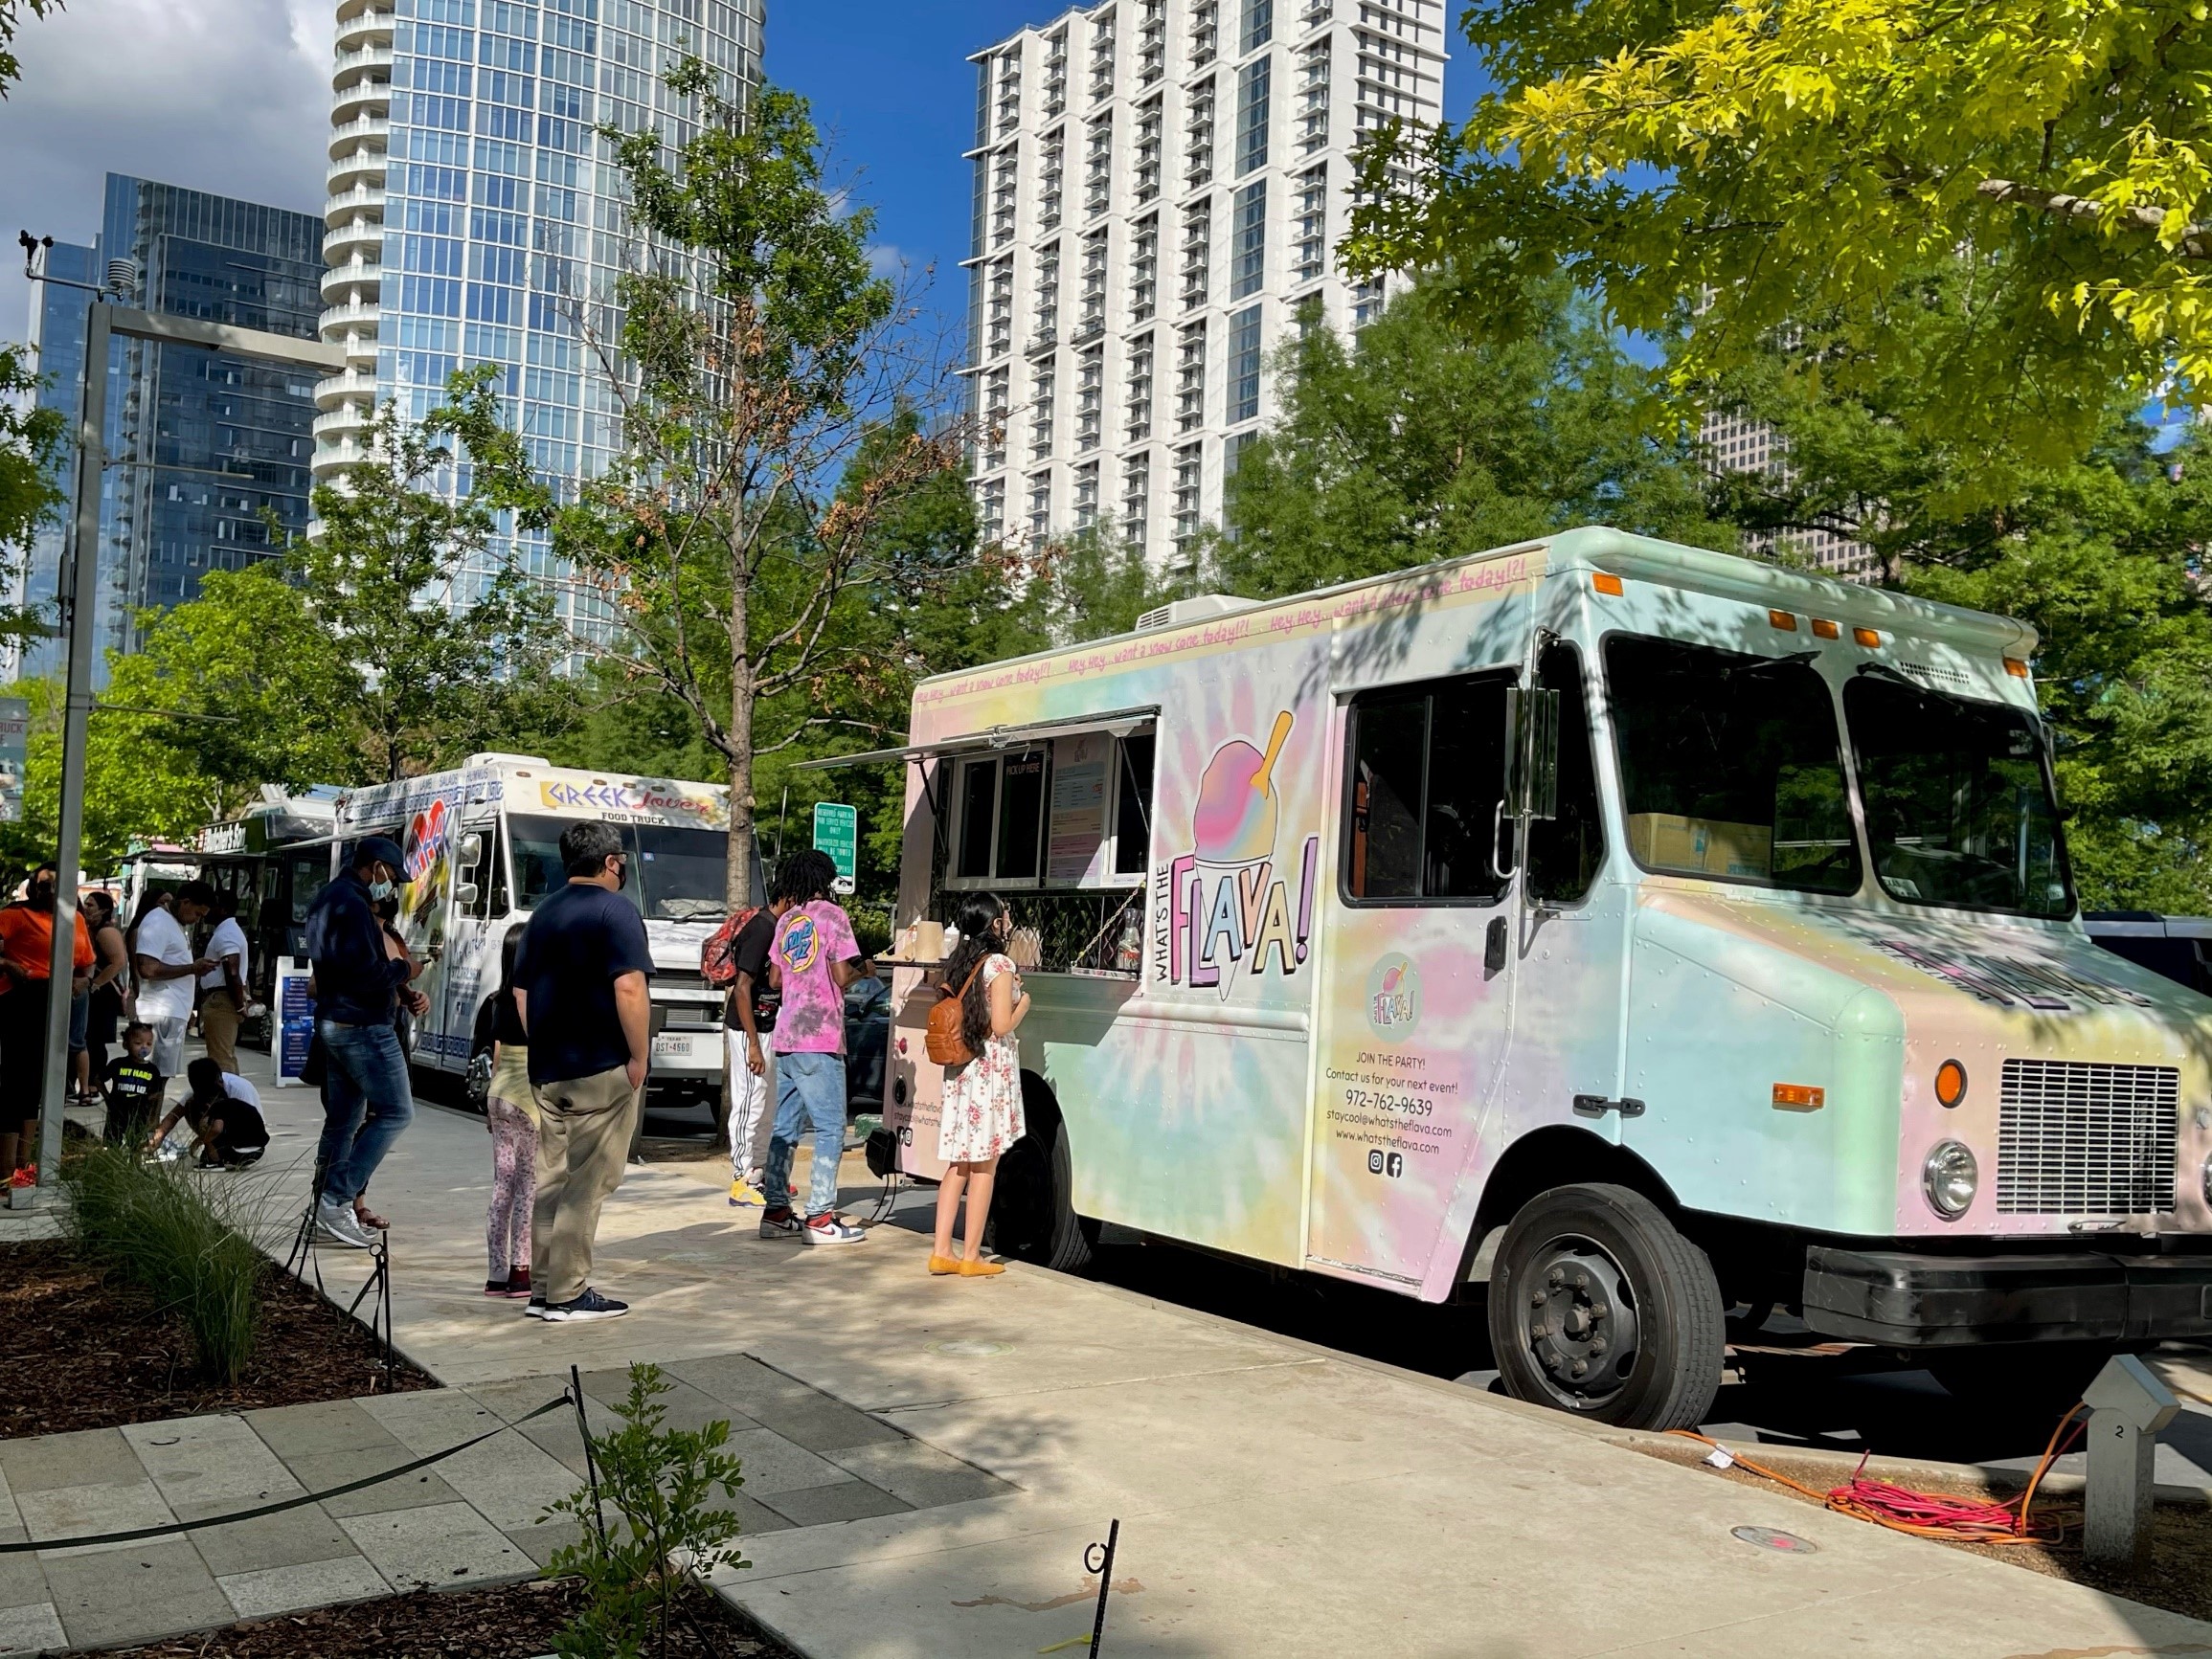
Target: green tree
x,y
10,15
1736,169
779,438
451,644
1427,438
31,437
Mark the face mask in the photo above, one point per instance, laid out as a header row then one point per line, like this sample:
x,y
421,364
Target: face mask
x,y
380,890
622,875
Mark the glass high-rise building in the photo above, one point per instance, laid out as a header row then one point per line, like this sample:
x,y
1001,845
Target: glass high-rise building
x,y
473,207
204,447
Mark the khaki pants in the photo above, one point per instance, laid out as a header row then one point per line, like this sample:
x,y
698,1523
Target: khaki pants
x,y
219,1022
583,1136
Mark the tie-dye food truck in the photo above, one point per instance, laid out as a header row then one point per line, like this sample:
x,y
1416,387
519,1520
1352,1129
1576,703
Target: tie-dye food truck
x,y
1611,932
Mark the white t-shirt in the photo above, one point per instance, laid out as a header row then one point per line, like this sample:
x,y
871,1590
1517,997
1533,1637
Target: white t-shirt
x,y
239,1089
229,939
161,936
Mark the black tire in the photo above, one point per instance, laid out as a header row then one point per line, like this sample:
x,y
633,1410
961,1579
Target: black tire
x,y
1033,1216
1596,1277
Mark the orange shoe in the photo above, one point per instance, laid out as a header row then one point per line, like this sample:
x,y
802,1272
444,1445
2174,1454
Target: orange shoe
x,y
942,1264
980,1270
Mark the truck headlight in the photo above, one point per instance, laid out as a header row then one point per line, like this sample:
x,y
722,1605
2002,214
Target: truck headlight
x,y
1949,1178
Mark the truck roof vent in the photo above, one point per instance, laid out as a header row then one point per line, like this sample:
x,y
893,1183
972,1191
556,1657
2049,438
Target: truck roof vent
x,y
1177,612
493,757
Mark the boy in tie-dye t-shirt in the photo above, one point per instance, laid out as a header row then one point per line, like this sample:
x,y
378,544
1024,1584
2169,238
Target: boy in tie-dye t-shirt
x,y
813,958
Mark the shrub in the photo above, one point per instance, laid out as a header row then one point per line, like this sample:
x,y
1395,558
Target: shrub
x,y
187,1239
660,1484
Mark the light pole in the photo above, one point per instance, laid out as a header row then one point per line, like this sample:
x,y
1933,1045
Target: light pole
x,y
104,320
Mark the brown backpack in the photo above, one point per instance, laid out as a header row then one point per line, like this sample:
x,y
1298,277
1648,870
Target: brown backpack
x,y
945,1039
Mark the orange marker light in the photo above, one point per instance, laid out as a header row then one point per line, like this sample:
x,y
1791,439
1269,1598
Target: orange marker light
x,y
1606,584
1784,620
1798,1097
1823,629
1866,637
2014,667
1949,1083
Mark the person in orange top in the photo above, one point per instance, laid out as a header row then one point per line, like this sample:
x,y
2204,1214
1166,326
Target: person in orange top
x,y
26,965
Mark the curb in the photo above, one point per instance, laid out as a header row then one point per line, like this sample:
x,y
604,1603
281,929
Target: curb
x,y
1814,1466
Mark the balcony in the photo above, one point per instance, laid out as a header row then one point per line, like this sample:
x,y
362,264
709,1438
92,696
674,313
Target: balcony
x,y
360,199
350,421
364,98
348,241
349,136
353,315
353,273
364,167
335,389
366,27
347,67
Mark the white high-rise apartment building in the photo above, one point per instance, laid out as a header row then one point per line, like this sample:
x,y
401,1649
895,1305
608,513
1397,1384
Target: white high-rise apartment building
x,y
473,205
1160,187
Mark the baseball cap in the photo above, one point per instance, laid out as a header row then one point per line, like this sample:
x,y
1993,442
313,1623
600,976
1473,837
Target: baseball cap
x,y
380,849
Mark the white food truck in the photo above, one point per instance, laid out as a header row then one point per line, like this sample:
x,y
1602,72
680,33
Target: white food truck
x,y
483,846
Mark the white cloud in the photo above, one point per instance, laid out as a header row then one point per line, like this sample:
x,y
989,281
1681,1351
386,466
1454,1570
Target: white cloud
x,y
888,259
226,96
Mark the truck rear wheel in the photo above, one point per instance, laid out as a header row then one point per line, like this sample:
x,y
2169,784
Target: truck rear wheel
x,y
1032,1208
1598,1307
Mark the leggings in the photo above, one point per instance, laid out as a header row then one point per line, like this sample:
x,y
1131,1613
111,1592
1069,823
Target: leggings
x,y
513,1186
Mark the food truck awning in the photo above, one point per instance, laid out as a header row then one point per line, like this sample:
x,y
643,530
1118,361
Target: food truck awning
x,y
1119,724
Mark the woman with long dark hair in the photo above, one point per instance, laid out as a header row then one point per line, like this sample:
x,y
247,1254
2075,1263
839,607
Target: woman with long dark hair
x,y
983,1099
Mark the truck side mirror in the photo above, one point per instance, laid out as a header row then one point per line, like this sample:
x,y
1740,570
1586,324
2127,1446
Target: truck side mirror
x,y
471,848
1532,752
465,893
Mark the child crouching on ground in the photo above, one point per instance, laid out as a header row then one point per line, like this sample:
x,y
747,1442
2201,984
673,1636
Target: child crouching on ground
x,y
225,1113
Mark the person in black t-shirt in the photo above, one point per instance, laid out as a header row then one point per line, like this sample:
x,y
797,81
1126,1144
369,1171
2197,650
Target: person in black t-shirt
x,y
748,1013
134,1085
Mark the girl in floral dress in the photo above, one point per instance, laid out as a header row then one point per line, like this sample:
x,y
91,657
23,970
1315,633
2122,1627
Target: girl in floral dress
x,y
983,1100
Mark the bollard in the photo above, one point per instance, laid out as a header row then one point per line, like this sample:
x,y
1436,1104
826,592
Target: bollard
x,y
2128,1406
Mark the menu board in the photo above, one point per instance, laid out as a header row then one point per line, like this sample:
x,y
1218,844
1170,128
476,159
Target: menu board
x,y
1076,839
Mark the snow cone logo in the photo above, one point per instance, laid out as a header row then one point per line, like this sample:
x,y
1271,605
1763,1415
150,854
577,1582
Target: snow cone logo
x,y
1226,906
1393,998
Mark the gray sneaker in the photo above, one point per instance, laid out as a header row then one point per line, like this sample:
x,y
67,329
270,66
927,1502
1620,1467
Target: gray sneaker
x,y
782,1225
340,1225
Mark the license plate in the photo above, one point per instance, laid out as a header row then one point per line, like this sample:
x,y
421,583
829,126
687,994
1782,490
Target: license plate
x,y
673,1045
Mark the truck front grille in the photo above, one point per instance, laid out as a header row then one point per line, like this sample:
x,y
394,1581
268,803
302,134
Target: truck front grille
x,y
2076,1138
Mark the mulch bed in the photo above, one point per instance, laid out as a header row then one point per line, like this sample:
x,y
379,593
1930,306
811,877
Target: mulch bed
x,y
2178,1577
512,1621
83,1350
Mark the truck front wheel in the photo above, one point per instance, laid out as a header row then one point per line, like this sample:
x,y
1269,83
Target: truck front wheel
x,y
1599,1307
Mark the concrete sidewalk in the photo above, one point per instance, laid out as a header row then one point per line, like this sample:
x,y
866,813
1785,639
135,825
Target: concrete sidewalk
x,y
1273,1497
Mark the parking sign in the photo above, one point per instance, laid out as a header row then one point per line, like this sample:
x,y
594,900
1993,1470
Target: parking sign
x,y
837,833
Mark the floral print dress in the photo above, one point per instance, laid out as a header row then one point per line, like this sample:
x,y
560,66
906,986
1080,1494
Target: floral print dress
x,y
982,1101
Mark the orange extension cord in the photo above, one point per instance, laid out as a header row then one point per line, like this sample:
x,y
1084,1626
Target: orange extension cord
x,y
1932,1515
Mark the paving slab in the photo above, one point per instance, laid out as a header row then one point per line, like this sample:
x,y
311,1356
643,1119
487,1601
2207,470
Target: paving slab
x,y
86,1457
442,1545
294,1538
84,1512
22,1581
210,1465
31,1629
134,1592
273,1591
326,1472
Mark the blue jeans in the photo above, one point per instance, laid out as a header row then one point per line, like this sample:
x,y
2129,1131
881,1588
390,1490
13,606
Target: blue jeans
x,y
812,1087
367,1101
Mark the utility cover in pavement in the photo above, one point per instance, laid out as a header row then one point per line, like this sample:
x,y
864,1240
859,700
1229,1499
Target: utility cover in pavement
x,y
1768,1539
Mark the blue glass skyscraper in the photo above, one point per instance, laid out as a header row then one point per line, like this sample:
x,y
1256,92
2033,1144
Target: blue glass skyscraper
x,y
204,447
473,208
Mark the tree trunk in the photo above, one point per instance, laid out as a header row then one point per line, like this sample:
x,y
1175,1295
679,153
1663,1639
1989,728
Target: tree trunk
x,y
741,834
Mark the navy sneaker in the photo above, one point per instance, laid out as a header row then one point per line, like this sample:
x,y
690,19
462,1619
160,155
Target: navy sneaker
x,y
590,1304
536,1308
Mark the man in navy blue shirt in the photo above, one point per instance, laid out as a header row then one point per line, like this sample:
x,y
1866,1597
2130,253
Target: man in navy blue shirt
x,y
579,984
359,978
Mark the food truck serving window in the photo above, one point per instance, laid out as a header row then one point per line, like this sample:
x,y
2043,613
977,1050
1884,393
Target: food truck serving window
x,y
1428,780
1958,803
1731,765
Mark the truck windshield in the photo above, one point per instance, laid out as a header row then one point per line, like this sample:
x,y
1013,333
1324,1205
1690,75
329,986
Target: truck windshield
x,y
1731,765
1958,800
676,873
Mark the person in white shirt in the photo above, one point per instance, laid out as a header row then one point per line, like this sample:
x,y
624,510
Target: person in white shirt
x,y
167,971
223,998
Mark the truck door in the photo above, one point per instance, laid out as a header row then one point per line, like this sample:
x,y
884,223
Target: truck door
x,y
1415,993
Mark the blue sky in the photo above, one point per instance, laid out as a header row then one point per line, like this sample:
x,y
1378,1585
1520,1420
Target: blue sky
x,y
890,82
